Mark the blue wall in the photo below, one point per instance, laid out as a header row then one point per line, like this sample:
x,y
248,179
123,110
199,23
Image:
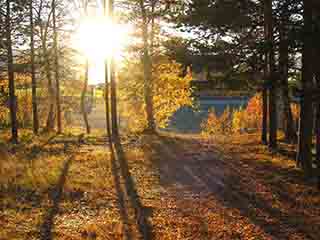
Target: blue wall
x,y
188,120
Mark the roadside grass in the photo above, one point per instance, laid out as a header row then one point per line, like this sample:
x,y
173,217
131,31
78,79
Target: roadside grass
x,y
274,178
54,187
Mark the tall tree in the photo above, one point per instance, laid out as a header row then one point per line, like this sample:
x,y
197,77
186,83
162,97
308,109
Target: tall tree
x,y
269,35
56,66
113,84
33,75
12,96
289,130
107,98
143,14
83,98
316,14
304,156
44,23
85,85
106,82
317,123
147,68
264,130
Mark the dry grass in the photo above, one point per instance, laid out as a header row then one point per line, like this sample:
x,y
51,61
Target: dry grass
x,y
60,190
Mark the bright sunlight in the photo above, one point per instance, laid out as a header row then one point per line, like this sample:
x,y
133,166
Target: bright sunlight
x,y
99,39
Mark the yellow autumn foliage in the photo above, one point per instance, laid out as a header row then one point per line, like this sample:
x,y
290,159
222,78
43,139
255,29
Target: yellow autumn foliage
x,y
236,121
24,109
217,125
239,120
170,92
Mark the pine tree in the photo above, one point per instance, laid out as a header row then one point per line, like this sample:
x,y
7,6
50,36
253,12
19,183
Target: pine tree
x,y
12,95
33,75
304,156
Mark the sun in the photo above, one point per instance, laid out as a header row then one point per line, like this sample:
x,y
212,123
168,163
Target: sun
x,y
99,38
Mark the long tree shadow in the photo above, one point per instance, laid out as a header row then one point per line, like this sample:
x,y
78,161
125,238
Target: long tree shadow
x,y
120,194
227,181
265,213
37,149
167,154
169,159
56,197
276,204
140,213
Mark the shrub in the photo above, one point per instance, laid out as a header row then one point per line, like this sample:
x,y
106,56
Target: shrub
x,y
24,110
239,121
217,125
253,112
233,122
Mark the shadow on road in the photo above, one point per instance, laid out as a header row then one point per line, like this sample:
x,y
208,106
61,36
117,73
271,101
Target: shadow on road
x,y
119,160
228,181
177,159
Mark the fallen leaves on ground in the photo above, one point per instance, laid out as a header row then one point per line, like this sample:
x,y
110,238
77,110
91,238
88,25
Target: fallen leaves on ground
x,y
174,187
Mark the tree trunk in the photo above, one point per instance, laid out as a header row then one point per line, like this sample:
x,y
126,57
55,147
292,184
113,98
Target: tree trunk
x,y
271,75
33,75
147,71
56,65
113,97
317,75
318,140
107,92
264,116
107,102
50,118
290,135
113,86
83,98
44,25
304,156
264,130
12,96
264,133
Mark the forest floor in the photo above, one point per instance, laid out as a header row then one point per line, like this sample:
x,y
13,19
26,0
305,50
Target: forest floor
x,y
154,187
